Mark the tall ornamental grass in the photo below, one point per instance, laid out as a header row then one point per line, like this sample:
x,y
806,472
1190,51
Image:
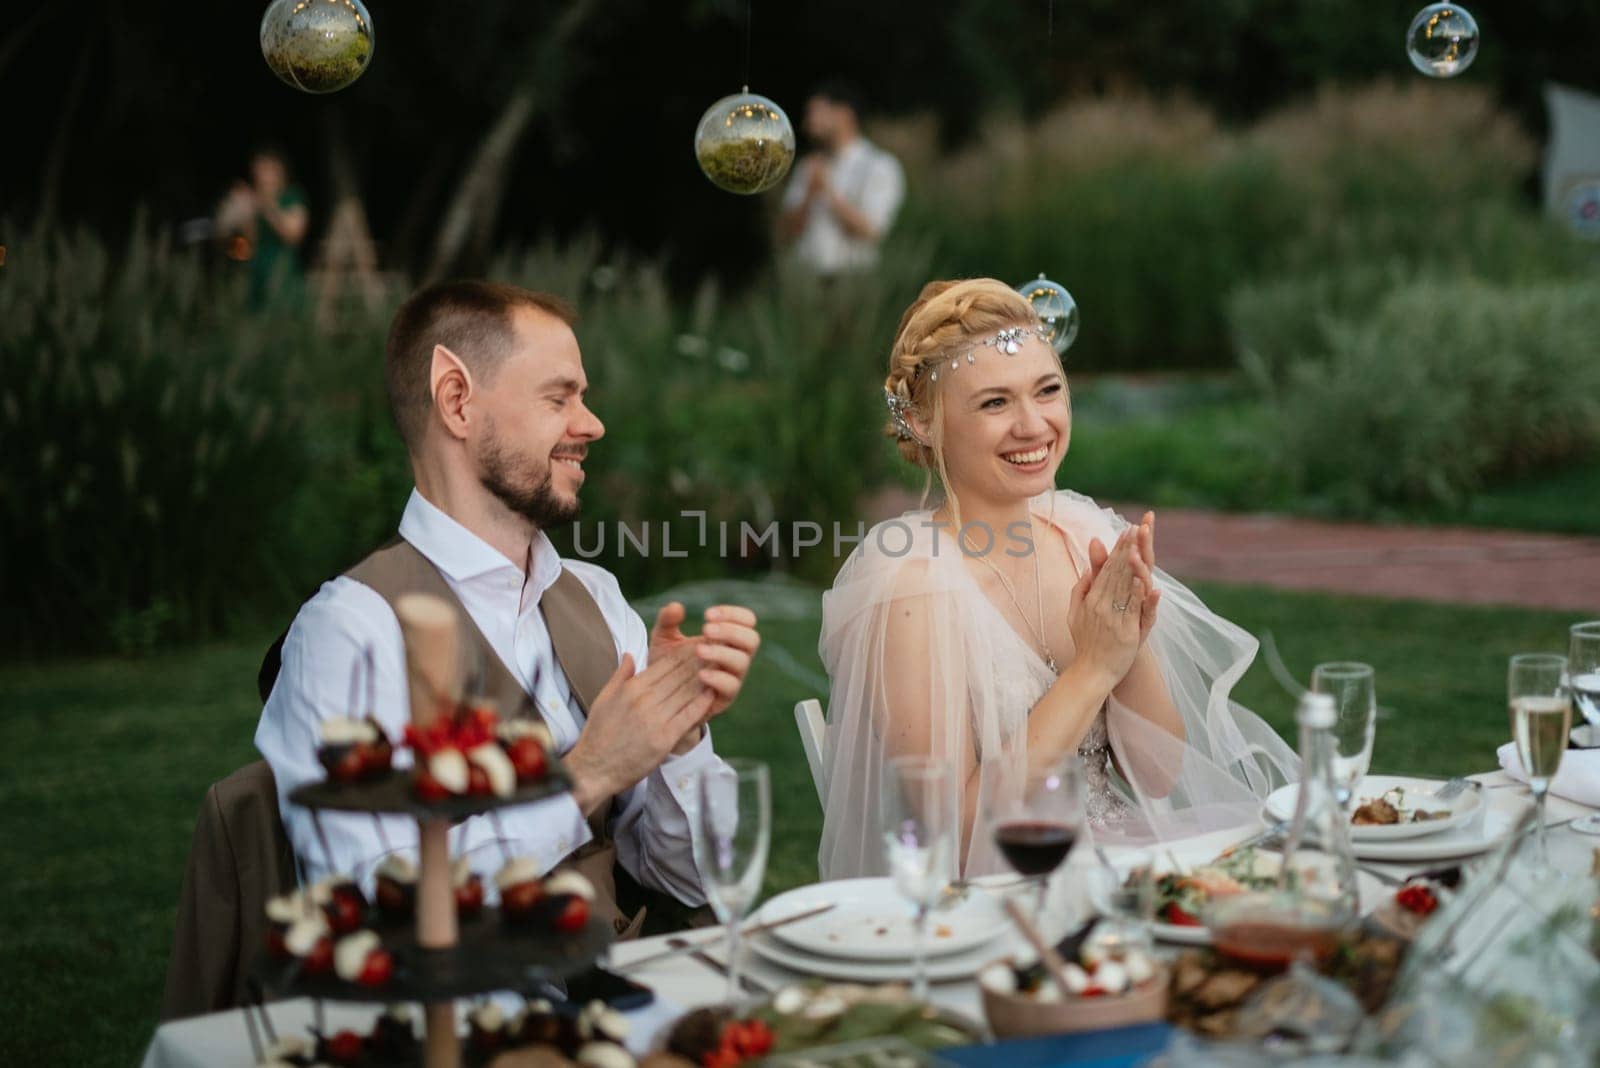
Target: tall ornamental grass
x,y
152,432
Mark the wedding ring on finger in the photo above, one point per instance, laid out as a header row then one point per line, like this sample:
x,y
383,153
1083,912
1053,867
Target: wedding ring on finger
x,y
1123,607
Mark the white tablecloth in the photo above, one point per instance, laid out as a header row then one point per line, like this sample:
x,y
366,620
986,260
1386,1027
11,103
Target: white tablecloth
x,y
220,1040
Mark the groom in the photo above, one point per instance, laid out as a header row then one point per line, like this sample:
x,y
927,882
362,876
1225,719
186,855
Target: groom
x,y
487,388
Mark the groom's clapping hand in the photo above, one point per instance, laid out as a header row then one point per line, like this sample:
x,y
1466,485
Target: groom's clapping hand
x,y
636,721
726,645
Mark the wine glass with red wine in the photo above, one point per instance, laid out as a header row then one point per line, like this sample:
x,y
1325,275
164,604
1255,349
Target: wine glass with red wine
x,y
1036,830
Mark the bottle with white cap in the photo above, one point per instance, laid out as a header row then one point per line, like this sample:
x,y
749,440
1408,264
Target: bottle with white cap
x,y
1319,863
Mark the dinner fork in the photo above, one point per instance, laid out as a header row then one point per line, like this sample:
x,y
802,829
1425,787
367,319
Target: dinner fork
x,y
1450,789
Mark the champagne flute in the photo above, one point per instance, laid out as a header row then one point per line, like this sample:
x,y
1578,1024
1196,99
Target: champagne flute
x,y
731,850
1541,723
1583,669
920,835
1353,687
1036,831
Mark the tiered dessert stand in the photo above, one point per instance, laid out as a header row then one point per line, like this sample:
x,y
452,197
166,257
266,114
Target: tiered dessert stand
x,y
443,957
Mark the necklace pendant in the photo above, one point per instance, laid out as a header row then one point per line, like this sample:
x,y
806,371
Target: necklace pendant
x,y
1050,660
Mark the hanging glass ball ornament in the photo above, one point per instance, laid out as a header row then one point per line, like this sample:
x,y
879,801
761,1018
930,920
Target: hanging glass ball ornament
x,y
1057,311
1443,40
317,46
745,143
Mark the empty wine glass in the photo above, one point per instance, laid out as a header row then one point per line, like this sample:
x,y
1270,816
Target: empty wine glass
x,y
1036,829
1124,893
1583,671
920,833
1541,725
731,851
1354,690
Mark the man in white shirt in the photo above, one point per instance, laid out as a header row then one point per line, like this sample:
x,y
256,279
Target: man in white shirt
x,y
842,198
487,387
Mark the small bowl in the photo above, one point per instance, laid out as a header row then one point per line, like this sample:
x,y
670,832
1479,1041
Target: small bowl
x,y
1269,930
1021,1016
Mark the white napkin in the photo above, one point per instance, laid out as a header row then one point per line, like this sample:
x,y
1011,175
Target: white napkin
x,y
1578,778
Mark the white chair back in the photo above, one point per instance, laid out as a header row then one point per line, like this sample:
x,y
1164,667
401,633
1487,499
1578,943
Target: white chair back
x,y
808,717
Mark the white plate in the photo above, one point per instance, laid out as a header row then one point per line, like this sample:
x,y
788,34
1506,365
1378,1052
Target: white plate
x,y
1463,807
1500,813
961,966
871,921
1202,850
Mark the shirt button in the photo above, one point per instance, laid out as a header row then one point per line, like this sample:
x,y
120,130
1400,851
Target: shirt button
x,y
564,845
683,782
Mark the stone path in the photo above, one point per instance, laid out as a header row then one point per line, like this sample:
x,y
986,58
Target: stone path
x,y
1447,564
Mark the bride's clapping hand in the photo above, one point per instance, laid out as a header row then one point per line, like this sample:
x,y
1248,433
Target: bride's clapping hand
x,y
1152,596
1109,605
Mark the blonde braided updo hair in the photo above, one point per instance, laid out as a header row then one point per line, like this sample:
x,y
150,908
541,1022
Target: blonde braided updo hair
x,y
945,320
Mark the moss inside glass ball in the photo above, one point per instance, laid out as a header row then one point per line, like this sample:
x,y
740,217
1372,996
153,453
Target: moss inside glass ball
x,y
746,165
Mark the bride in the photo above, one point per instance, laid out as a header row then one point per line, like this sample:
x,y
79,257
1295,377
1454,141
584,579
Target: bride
x,y
1016,623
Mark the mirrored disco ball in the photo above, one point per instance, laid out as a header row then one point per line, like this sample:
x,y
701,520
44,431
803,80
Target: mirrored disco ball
x,y
317,46
1443,40
1057,311
745,143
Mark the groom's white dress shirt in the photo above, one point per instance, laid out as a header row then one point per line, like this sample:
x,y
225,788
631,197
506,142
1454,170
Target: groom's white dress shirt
x,y
652,822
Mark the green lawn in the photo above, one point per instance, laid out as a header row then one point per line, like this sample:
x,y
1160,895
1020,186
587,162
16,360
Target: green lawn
x,y
103,763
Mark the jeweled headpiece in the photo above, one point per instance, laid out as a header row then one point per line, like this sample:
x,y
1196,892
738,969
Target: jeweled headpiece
x,y
897,414
1008,341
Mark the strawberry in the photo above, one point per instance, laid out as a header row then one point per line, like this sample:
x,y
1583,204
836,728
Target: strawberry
x,y
320,960
749,1039
1417,898
378,968
346,909
528,757
469,897
426,787
1179,917
350,766
394,900
376,758
574,915
478,781
344,1048
724,1056
520,899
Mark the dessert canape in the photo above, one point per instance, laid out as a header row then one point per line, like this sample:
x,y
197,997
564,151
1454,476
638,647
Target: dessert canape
x,y
528,744
360,958
393,1039
597,1020
343,1047
353,749
346,906
396,888
521,889
311,939
604,1055
282,912
571,895
469,889
493,769
486,1029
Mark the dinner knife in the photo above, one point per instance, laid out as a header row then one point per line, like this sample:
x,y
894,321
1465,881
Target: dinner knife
x,y
682,946
748,983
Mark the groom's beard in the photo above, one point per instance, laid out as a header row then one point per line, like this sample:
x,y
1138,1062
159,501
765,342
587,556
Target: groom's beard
x,y
522,484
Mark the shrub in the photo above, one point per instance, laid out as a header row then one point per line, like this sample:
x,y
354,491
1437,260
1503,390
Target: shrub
x,y
1444,383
